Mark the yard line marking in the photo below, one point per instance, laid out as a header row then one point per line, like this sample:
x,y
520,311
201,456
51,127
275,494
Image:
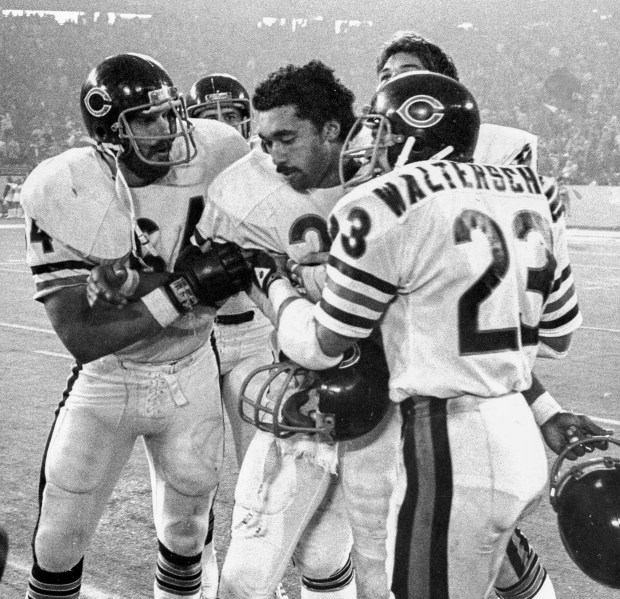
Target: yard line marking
x,y
587,266
88,591
25,328
53,354
601,329
606,420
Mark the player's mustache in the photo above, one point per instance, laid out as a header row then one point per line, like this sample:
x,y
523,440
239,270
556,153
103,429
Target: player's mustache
x,y
285,170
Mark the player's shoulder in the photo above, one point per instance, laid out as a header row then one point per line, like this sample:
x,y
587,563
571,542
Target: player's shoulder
x,y
72,198
251,179
217,145
55,179
499,144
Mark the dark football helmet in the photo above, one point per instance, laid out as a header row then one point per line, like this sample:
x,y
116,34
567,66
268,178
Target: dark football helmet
x,y
126,84
338,404
587,501
217,91
415,116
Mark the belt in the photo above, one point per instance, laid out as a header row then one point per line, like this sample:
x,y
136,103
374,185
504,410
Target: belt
x,y
235,318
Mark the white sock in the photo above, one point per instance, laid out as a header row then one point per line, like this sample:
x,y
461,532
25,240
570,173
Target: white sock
x,y
210,572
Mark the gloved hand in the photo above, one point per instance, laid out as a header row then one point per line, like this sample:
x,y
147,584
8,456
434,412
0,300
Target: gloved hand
x,y
267,267
209,275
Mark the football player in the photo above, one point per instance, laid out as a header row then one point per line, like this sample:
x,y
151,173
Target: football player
x,y
221,97
143,367
522,575
288,502
241,332
460,342
278,199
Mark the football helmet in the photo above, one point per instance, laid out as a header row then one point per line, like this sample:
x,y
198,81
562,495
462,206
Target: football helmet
x,y
415,116
586,499
126,84
217,91
337,404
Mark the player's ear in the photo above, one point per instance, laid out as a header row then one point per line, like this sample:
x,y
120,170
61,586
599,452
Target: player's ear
x,y
331,130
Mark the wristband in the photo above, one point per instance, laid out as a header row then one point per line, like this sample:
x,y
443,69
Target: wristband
x,y
544,408
161,307
181,294
131,283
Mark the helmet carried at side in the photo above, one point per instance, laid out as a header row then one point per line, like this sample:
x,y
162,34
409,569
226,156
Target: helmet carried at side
x,y
216,92
415,116
586,499
124,85
338,404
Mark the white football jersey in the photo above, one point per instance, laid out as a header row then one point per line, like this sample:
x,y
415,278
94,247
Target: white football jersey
x,y
77,217
505,146
254,206
455,262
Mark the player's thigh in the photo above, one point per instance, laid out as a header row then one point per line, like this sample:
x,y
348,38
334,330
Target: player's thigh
x,y
326,542
187,454
87,450
276,496
370,470
473,467
232,382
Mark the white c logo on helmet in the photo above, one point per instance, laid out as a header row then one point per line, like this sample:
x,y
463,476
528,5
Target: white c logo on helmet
x,y
98,102
421,111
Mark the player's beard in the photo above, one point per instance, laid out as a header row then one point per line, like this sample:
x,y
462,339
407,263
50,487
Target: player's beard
x,y
146,172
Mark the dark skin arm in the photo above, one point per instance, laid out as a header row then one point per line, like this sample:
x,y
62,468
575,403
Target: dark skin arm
x,y
91,333
565,428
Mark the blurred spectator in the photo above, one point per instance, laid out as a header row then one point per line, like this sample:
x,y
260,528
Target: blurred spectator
x,y
557,78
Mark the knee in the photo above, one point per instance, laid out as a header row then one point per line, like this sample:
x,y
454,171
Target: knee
x,y
59,551
186,536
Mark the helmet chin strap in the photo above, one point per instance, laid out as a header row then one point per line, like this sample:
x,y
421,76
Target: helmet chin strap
x,y
403,157
123,191
443,153
408,146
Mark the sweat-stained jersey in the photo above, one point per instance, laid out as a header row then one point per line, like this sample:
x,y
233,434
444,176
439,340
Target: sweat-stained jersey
x,y
458,262
78,216
254,206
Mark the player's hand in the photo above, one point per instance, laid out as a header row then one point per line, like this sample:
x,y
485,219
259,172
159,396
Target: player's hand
x,y
565,428
110,285
267,267
308,278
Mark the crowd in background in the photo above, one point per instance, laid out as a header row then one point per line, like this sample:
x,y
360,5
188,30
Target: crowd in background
x,y
549,73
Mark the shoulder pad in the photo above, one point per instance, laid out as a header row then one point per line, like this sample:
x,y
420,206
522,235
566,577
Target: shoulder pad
x,y
73,200
505,145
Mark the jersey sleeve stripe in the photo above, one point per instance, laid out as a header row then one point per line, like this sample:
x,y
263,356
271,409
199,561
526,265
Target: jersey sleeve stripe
x,y
352,320
362,276
350,295
566,273
561,301
561,321
63,265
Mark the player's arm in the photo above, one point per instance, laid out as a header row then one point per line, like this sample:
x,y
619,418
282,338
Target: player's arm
x,y
558,427
91,333
91,328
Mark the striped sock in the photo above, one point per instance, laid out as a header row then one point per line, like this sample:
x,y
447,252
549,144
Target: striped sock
x,y
55,585
176,575
340,585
